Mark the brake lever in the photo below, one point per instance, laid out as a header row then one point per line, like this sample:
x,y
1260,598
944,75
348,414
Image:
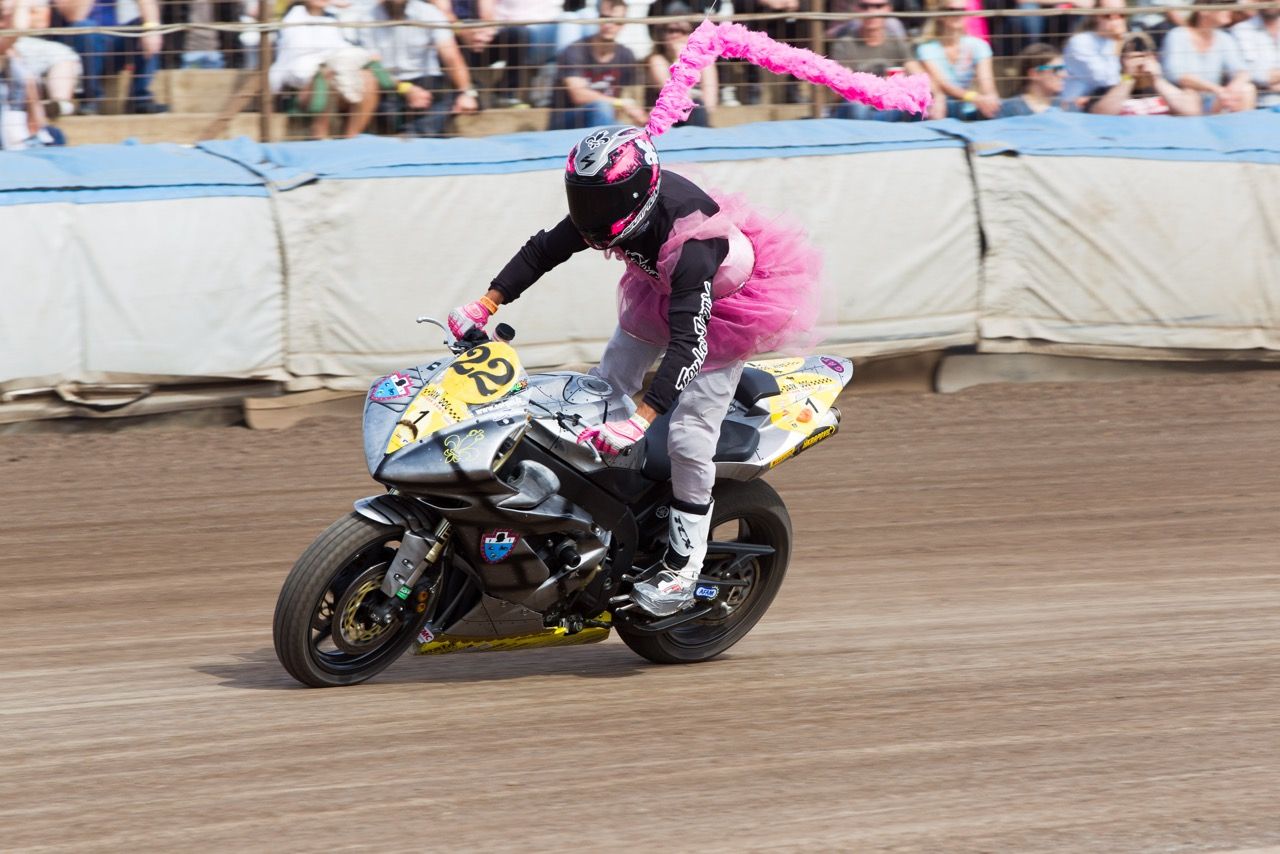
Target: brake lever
x,y
575,421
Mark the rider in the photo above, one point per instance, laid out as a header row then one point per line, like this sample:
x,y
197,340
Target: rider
x,y
708,284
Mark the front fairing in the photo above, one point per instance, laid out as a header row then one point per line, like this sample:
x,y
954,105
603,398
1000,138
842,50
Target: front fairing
x,y
449,421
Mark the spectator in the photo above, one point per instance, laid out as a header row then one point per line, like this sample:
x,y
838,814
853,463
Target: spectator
x,y
874,46
1092,57
1142,89
22,118
55,67
595,74
201,47
104,54
669,40
1259,41
959,66
1015,33
1203,58
789,30
327,72
1158,24
491,47
1041,70
417,59
541,37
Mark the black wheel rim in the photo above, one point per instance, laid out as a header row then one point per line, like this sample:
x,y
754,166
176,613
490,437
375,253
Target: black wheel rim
x,y
748,556
341,636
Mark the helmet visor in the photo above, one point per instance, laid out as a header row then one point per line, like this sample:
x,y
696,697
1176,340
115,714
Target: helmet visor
x,y
596,209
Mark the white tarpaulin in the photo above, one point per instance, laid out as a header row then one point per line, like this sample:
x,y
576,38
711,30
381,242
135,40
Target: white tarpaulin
x,y
1131,253
366,256
174,288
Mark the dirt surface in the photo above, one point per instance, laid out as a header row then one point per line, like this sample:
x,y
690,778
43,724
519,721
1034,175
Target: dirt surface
x,y
1019,618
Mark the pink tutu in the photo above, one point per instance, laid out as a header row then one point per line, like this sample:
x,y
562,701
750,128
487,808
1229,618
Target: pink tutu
x,y
776,308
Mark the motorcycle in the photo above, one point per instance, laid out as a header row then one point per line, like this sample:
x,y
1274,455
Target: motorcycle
x,y
499,530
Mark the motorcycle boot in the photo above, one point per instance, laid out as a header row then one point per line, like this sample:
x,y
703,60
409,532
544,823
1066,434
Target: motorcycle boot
x,y
672,588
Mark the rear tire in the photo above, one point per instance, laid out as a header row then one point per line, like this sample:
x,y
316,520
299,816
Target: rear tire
x,y
762,520
324,590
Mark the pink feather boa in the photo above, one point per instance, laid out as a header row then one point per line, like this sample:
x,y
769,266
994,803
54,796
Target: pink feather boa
x,y
710,41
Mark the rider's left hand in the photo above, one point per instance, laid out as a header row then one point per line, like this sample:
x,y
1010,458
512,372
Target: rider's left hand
x,y
614,437
464,318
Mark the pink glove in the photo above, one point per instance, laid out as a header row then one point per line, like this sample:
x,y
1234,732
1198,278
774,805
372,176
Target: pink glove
x,y
614,437
473,315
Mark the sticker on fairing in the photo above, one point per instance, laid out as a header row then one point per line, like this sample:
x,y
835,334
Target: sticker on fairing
x,y
778,367
394,386
497,545
833,364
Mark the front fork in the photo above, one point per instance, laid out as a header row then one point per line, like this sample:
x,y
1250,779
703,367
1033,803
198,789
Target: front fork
x,y
415,555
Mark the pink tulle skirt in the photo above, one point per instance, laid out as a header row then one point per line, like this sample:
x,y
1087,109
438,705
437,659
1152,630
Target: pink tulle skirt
x,y
776,309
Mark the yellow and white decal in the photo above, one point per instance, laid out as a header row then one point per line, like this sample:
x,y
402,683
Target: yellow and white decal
x,y
805,396
479,376
778,367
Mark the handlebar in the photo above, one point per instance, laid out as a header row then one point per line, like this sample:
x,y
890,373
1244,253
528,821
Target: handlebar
x,y
502,332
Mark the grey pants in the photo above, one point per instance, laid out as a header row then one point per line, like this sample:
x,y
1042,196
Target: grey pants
x,y
695,422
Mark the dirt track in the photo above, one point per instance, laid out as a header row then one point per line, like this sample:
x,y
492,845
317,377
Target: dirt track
x,y
1019,618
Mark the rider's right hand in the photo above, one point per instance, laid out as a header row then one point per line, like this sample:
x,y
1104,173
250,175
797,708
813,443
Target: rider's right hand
x,y
465,318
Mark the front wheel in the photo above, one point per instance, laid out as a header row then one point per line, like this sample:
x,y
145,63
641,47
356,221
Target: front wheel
x,y
324,630
750,544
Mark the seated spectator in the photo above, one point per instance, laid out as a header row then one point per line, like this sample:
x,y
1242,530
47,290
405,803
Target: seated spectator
x,y
55,67
104,54
894,26
1157,24
874,46
1041,69
417,59
959,66
328,73
1259,41
1092,57
541,37
669,40
22,119
595,74
1142,89
1203,58
788,30
487,47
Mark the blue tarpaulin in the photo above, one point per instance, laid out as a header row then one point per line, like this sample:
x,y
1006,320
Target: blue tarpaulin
x,y
1241,137
99,173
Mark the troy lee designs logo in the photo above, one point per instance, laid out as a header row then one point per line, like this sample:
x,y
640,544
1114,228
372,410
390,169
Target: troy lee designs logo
x,y
686,375
640,261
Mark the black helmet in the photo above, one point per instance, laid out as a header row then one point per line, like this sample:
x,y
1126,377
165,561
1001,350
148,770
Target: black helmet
x,y
612,180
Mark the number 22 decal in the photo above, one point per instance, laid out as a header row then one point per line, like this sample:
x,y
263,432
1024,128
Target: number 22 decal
x,y
499,371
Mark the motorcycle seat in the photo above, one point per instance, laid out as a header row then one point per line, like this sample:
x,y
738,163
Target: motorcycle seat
x,y
754,386
737,443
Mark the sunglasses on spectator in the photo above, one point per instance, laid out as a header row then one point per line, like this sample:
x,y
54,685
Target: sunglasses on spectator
x,y
873,6
677,28
1055,67
1112,15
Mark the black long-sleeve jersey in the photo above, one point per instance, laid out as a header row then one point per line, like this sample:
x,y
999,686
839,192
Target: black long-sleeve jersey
x,y
690,307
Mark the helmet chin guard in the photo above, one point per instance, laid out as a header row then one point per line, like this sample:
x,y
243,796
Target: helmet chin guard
x,y
611,181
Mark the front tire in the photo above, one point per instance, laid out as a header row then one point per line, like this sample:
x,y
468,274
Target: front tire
x,y
761,519
322,632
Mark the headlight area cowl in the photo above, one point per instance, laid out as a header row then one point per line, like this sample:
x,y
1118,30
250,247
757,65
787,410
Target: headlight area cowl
x,y
463,455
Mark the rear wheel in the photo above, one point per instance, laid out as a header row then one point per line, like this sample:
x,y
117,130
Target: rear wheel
x,y
750,544
324,630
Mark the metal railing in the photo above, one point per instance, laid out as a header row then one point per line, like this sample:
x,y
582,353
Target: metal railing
x,y
202,78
